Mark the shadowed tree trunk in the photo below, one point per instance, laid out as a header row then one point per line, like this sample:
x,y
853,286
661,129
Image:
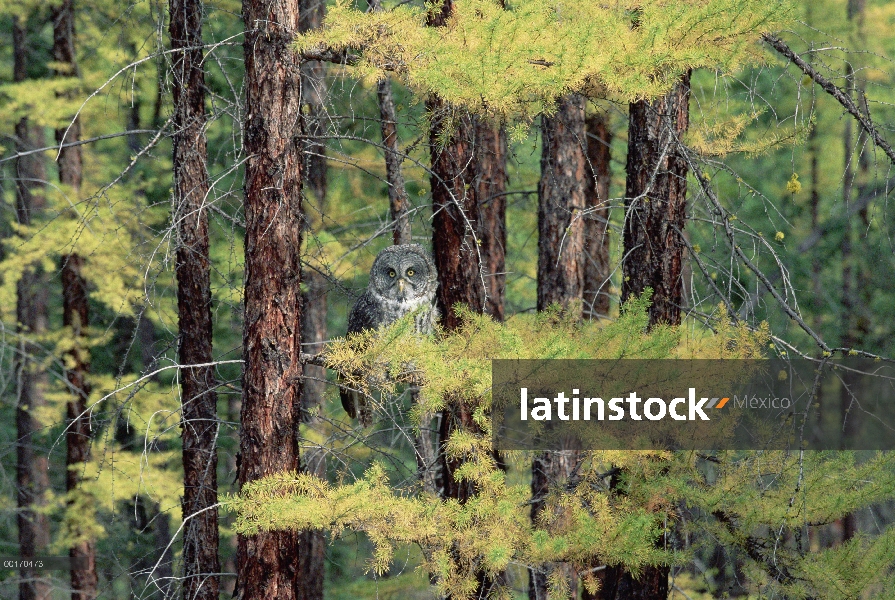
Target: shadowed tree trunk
x,y
655,202
32,480
655,213
561,201
199,424
455,207
458,258
490,189
561,226
267,563
75,313
597,267
312,543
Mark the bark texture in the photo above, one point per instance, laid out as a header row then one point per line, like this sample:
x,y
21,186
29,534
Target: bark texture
x,y
199,424
76,314
561,264
399,203
267,563
32,480
490,189
597,267
75,309
561,202
454,203
455,247
312,543
655,202
457,255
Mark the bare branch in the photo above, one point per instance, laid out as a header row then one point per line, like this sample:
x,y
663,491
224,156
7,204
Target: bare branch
x,y
830,88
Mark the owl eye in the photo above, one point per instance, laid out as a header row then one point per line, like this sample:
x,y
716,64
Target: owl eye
x,y
410,272
391,273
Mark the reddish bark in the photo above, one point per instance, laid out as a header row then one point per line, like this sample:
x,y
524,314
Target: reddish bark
x,y
455,248
490,190
561,202
561,226
655,202
199,423
267,563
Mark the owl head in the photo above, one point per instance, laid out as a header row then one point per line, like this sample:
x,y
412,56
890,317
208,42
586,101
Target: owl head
x,y
403,273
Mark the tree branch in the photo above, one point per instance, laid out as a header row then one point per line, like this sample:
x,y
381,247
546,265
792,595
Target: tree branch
x,y
837,93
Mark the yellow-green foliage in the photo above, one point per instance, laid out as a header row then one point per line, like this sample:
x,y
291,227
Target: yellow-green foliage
x,y
493,528
518,60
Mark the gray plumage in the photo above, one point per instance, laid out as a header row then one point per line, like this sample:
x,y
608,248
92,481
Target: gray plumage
x,y
403,279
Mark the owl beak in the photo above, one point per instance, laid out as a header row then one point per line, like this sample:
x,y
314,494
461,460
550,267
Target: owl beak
x,y
401,286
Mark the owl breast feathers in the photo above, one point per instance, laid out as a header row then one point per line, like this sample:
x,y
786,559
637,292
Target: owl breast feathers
x,y
403,280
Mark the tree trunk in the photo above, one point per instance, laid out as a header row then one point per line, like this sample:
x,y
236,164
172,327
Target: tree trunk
x,y
490,189
597,267
454,204
399,203
458,258
655,203
312,543
75,314
655,213
267,563
561,202
561,225
199,422
455,248
32,479
75,311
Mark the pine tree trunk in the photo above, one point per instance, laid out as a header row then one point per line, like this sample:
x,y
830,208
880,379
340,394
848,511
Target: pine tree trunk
x,y
267,563
655,203
455,212
454,204
312,543
75,314
561,225
490,189
32,480
75,310
655,213
199,424
597,267
561,202
458,258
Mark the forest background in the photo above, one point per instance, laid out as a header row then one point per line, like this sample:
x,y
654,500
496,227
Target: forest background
x,y
133,247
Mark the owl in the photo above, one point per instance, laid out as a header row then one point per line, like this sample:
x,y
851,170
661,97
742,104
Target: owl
x,y
402,280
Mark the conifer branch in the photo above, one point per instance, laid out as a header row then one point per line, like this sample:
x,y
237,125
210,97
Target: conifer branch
x,y
829,87
98,138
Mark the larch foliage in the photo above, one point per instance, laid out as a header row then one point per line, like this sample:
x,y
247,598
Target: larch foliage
x,y
516,61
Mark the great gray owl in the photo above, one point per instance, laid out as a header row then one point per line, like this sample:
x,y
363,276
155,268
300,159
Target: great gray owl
x,y
402,280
